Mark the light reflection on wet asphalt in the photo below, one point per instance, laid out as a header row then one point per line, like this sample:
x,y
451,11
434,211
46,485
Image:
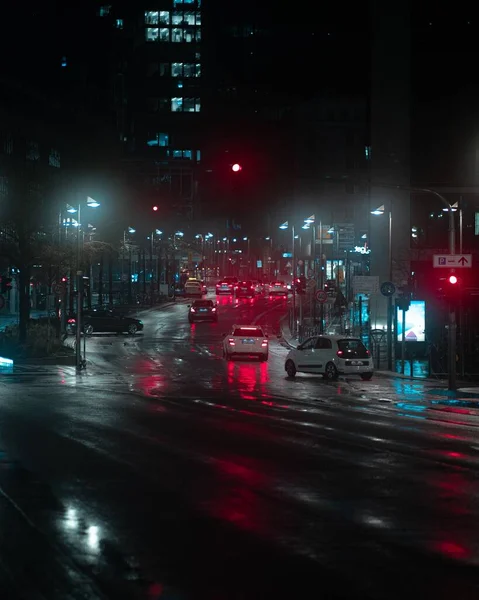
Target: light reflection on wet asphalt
x,y
162,448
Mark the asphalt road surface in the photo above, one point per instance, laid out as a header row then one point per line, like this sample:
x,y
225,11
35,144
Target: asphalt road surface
x,y
165,472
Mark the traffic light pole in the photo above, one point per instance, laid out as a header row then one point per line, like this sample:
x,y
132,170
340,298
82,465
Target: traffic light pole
x,y
79,364
294,282
389,339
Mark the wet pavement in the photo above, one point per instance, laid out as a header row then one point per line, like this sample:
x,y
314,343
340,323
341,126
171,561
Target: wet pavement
x,y
165,472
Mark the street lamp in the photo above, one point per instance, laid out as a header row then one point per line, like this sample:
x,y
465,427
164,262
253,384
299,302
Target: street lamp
x,y
389,340
285,226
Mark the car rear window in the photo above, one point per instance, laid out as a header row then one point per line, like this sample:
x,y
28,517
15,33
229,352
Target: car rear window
x,y
353,348
248,332
203,303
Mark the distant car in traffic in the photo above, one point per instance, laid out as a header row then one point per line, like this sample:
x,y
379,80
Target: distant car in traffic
x,y
194,287
202,310
278,288
226,285
244,289
330,355
106,321
245,341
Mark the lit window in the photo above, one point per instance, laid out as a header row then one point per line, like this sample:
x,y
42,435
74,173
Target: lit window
x,y
189,35
158,139
198,18
104,11
367,152
179,84
177,18
151,17
197,55
181,2
177,70
191,105
177,154
164,17
64,62
189,18
177,35
54,158
188,154
198,156
197,70
176,104
198,35
164,34
152,34
33,151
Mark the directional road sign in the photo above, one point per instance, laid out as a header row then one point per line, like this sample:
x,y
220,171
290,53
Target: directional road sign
x,y
321,296
366,284
452,261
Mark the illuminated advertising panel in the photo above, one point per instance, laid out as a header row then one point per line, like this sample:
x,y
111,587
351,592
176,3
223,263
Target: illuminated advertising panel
x,y
415,322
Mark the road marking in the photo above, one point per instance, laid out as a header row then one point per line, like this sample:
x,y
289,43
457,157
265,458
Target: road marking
x,y
261,315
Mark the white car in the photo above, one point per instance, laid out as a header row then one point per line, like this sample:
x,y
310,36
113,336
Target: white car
x,y
330,355
194,288
246,340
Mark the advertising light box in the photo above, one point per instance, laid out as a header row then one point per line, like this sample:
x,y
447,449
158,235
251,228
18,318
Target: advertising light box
x,y
415,322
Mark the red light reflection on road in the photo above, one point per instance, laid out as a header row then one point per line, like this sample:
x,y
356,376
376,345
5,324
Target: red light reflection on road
x,y
248,378
151,384
452,549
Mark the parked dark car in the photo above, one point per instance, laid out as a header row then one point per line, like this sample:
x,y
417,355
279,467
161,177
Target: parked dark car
x,y
106,321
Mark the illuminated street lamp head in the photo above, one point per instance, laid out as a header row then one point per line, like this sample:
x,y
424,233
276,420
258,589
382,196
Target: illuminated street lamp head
x,y
158,232
236,168
179,234
284,225
131,230
305,226
378,211
245,239
92,203
155,208
310,220
71,210
454,207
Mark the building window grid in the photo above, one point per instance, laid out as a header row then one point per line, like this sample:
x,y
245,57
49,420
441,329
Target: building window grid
x,y
185,26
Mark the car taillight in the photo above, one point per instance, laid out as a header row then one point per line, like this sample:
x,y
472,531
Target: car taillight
x,y
230,285
339,353
368,353
264,343
213,310
71,321
193,309
231,341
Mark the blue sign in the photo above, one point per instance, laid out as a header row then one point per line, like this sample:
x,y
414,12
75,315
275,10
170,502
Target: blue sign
x,y
287,255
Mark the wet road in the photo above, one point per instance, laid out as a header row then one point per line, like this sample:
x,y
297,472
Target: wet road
x,y
165,472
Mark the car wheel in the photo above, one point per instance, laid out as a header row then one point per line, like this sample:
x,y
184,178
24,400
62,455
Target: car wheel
x,y
88,329
132,329
290,368
330,372
263,357
366,376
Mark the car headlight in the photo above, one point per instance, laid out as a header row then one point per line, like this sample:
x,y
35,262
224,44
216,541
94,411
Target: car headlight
x,y
140,322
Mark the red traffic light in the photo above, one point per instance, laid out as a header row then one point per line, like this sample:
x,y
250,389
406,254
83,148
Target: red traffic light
x,y
155,208
452,279
236,168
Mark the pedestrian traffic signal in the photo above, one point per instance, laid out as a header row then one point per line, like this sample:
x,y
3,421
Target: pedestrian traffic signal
x,y
453,280
155,208
236,168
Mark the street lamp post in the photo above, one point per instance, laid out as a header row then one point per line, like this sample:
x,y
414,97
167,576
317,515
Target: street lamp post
x,y
389,333
80,364
285,225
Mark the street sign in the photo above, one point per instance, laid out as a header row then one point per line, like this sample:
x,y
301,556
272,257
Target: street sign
x,y
311,284
452,261
388,288
2,302
366,284
310,273
58,289
321,296
300,263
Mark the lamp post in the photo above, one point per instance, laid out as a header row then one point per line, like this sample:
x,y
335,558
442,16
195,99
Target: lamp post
x,y
389,339
91,203
285,225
